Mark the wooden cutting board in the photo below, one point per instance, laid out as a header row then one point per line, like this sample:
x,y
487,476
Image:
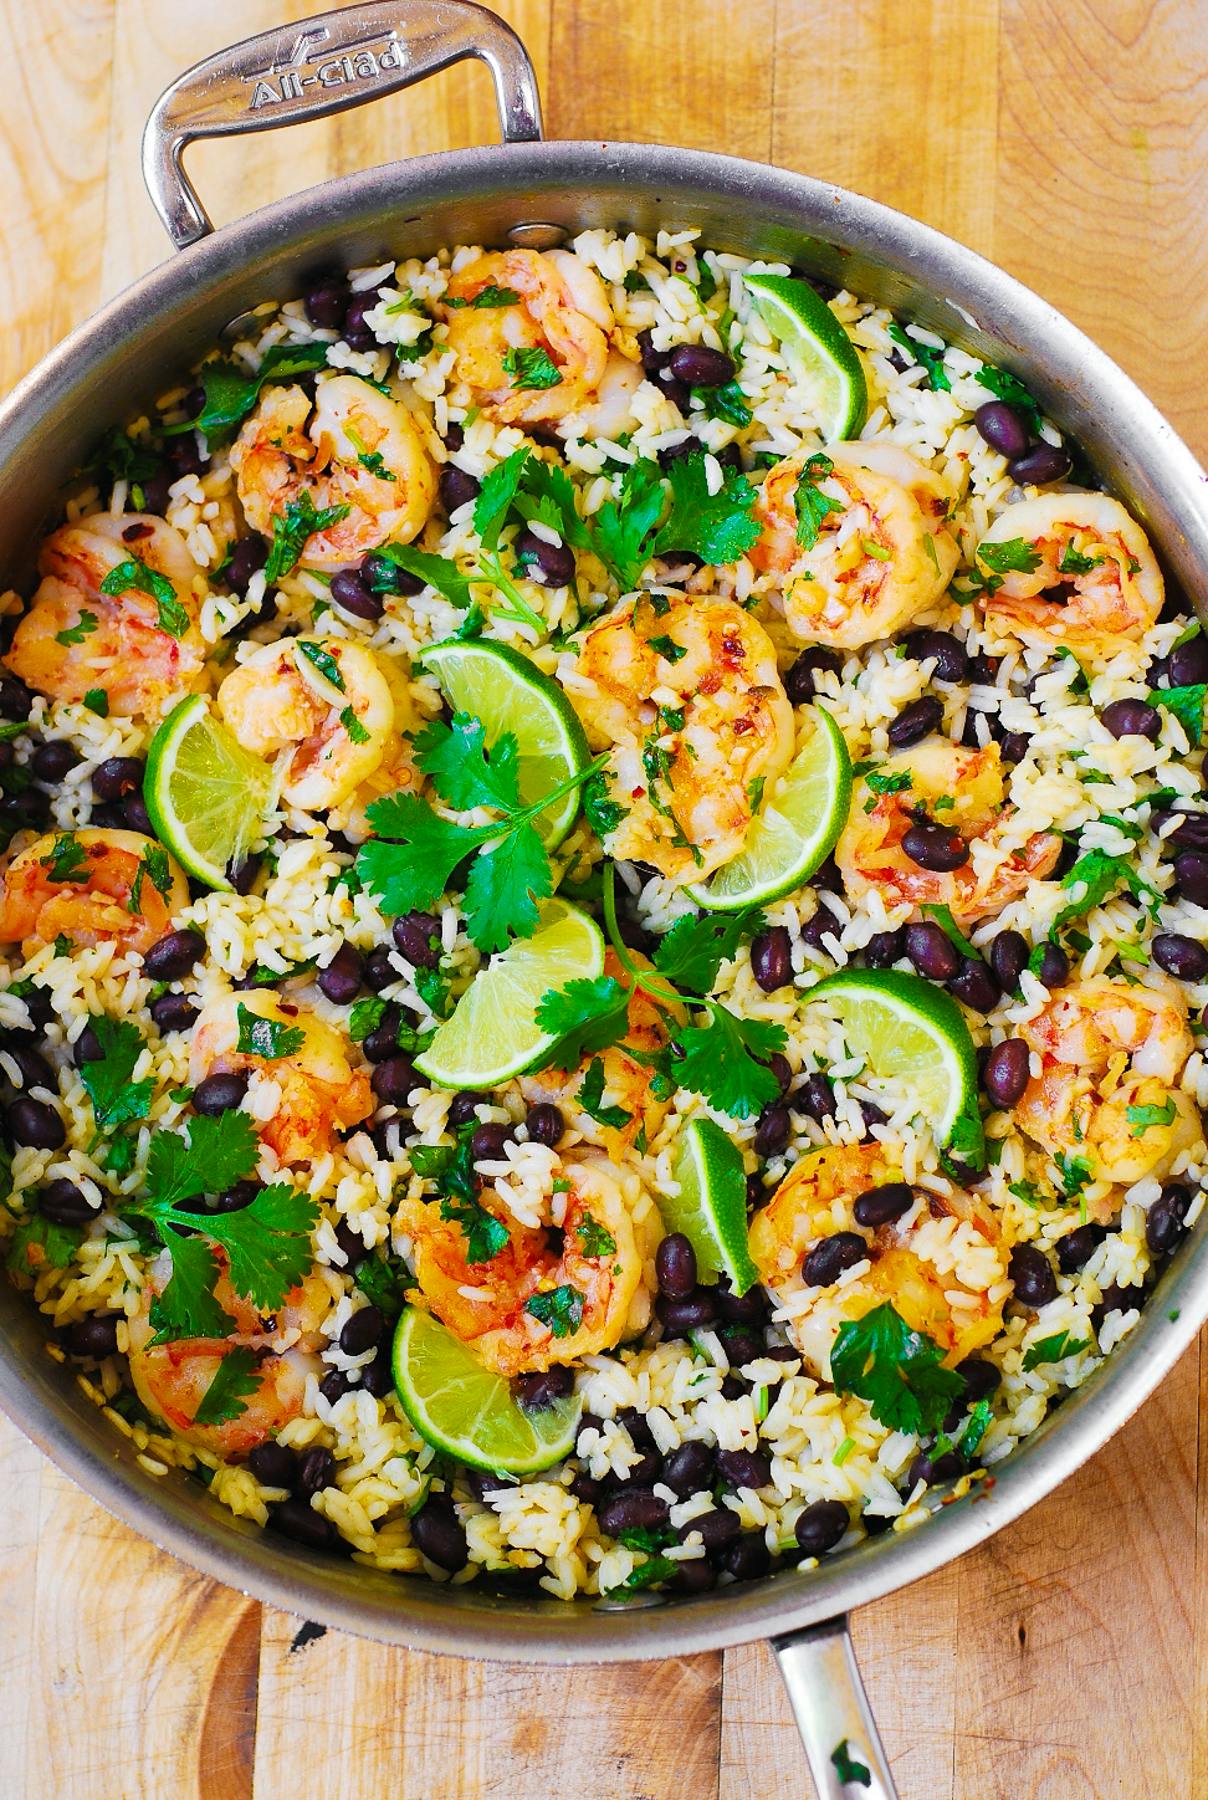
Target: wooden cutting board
x,y
1068,140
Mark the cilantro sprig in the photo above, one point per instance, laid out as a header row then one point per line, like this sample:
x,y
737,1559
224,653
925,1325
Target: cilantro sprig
x,y
898,1371
231,393
136,574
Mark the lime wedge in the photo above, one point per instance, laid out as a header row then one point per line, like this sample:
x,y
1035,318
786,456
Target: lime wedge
x,y
468,1411
799,826
711,1206
207,795
502,688
911,1032
492,1034
815,344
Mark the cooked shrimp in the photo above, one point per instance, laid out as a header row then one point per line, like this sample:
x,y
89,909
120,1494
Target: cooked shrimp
x,y
93,887
1090,578
628,1083
593,1269
687,696
140,648
171,1379
560,308
882,554
355,449
319,1092
962,790
330,700
942,1264
1106,1050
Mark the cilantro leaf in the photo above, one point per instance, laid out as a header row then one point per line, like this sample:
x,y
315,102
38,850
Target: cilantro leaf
x,y
383,1281
267,1243
656,1568
547,494
1053,1349
465,773
716,527
115,1098
495,498
233,1381
698,944
97,701
504,887
585,1016
292,531
725,1061
356,731
38,1244
321,661
485,1235
438,572
593,1238
365,1017
1008,387
621,528
84,626
951,930
218,1152
1076,562
561,1309
450,1167
929,356
727,402
1140,1118
1098,875
186,1307
1075,1172
980,1419
489,296
231,393
602,813
531,367
811,504
1187,705
1007,554
134,573
899,1372
270,1038
591,1098
413,871
67,858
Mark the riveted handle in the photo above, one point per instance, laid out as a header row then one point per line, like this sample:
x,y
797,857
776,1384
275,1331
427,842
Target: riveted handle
x,y
841,1741
320,66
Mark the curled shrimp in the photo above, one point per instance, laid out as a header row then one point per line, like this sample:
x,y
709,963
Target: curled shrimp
x,y
592,1270
141,648
1070,569
961,789
172,1379
882,554
686,695
328,702
318,1092
628,1082
1110,1056
92,886
354,448
942,1264
551,303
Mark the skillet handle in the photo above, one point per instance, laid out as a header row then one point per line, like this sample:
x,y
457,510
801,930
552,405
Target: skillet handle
x,y
833,1715
323,65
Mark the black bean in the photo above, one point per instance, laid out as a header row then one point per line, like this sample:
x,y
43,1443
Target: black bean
x,y
553,565
688,1468
936,847
744,1468
1191,873
743,1344
1013,746
1002,428
335,1384
916,722
1164,1222
821,1526
717,1528
1180,956
34,1123
544,1124
537,1393
456,487
1040,465
174,955
484,1487
353,595
356,332
243,874
16,700
748,1557
733,1387
220,1093
975,984
136,816
363,1331
882,1205
755,1187
799,682
35,1070
417,937
1116,1298
325,301
816,1098
872,1115
380,972
173,1012
51,761
949,655
697,365
638,1427
377,1377
393,1080
1188,663
981,1378
28,810
247,559
831,1256
116,777
316,1471
488,1141
351,1243
751,1308
62,1202
95,1337
695,1575
1032,1274
274,1464
382,1042
383,576
1191,832
1076,1248
585,1488
675,1266
1132,718
1006,1073
439,1534
298,1520
932,952
462,1107
772,1131
933,1470
772,958
185,458
692,1313
341,980
823,922
631,1509
1009,958
1054,968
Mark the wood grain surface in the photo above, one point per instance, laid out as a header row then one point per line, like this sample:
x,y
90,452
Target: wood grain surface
x,y
1067,139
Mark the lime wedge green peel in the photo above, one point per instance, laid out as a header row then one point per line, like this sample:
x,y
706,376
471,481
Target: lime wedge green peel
x,y
207,796
799,826
469,1411
503,688
816,344
493,1034
911,1032
711,1205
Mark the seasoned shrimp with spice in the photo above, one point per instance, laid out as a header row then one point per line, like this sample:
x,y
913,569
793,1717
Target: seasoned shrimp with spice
x,y
172,1379
859,536
528,1297
115,612
95,886
1106,1093
925,827
1069,569
686,695
937,1257
318,1090
352,465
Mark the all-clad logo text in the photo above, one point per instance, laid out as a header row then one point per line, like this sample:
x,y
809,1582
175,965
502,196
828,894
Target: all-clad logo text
x,y
290,77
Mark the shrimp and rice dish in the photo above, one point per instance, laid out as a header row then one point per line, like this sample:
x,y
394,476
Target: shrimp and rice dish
x,y
512,596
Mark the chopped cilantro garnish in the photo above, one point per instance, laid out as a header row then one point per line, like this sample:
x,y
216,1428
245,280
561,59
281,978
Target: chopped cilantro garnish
x,y
293,529
115,1098
898,1371
1008,554
591,1098
134,573
929,356
593,1239
1008,387
1053,1349
811,504
847,1768
561,1309
585,1016
356,731
531,368
66,860
1187,705
231,392
97,701
233,1382
270,1038
84,626
1141,1118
